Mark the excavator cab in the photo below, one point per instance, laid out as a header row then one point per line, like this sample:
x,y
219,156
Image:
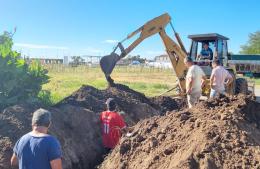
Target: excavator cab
x,y
216,43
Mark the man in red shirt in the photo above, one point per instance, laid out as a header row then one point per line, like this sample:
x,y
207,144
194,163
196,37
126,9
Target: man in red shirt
x,y
112,123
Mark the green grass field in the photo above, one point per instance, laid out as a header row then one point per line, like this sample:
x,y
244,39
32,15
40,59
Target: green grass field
x,y
65,80
150,81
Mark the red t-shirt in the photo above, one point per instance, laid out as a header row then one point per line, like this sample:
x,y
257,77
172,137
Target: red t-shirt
x,y
111,125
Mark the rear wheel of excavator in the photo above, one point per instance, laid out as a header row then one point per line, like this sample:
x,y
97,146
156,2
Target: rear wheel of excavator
x,y
241,86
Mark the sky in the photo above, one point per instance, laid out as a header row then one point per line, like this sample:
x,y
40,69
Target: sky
x,y
54,28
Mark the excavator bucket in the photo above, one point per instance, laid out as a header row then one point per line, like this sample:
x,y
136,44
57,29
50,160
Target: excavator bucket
x,y
107,64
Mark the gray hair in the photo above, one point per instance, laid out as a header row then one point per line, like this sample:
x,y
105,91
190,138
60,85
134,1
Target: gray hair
x,y
41,117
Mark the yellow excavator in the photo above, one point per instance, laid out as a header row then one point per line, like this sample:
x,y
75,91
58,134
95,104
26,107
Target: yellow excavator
x,y
176,53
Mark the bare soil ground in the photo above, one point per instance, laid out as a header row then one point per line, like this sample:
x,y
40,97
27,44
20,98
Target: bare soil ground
x,y
76,122
222,133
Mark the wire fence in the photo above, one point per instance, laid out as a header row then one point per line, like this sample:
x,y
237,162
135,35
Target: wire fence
x,y
59,68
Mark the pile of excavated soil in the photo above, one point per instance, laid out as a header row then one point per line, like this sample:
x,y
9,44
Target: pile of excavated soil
x,y
76,128
169,104
221,133
76,123
134,105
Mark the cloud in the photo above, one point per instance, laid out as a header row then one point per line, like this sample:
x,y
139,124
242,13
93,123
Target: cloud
x,y
36,46
110,41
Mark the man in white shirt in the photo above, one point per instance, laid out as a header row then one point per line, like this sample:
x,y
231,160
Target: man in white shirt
x,y
194,79
219,78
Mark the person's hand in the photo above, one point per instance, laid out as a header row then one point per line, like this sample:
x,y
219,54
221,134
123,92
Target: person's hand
x,y
226,84
203,84
189,91
124,130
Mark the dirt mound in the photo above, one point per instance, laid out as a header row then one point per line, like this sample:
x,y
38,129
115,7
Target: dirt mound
x,y
71,125
222,133
134,105
14,122
76,123
169,104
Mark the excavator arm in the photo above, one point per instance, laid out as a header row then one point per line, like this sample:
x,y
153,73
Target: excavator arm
x,y
176,52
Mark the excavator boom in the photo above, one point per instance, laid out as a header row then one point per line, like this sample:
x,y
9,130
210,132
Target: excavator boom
x,y
176,52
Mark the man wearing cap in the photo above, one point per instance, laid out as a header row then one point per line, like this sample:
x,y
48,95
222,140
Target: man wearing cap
x,y
206,53
111,123
219,78
37,149
194,80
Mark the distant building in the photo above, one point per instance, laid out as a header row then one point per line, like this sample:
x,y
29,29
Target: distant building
x,y
162,58
46,60
66,60
161,61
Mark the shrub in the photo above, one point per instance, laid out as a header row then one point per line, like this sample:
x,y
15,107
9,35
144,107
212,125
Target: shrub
x,y
19,81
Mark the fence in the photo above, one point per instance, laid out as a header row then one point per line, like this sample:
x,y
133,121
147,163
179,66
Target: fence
x,y
119,69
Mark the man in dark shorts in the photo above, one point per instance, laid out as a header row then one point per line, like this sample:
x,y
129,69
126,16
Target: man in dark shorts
x,y
37,149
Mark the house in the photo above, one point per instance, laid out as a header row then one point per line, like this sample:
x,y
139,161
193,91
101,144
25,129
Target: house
x,y
161,61
162,58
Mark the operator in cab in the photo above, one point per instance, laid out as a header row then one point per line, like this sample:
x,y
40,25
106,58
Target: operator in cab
x,y
206,53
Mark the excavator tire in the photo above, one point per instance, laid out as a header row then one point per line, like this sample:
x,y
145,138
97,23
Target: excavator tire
x,y
241,86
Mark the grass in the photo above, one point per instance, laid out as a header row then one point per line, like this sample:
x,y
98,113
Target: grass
x,y
150,81
65,80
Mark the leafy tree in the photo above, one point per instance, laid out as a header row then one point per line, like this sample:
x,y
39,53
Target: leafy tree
x,y
253,45
131,58
18,80
77,60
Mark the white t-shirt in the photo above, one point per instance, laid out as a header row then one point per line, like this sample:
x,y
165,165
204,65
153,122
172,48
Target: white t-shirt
x,y
195,73
219,75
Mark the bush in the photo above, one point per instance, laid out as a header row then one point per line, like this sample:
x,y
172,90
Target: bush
x,y
19,81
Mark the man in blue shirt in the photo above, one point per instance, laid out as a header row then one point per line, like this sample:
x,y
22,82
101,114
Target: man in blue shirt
x,y
37,149
206,53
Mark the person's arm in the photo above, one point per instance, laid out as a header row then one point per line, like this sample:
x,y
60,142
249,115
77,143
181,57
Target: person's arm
x,y
189,78
204,78
54,154
189,87
229,78
212,78
211,54
14,160
56,164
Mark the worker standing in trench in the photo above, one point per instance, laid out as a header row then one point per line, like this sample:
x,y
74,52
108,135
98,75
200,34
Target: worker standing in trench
x,y
37,149
112,125
195,79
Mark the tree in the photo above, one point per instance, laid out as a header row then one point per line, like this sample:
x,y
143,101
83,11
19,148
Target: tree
x,y
253,45
19,80
131,58
77,60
